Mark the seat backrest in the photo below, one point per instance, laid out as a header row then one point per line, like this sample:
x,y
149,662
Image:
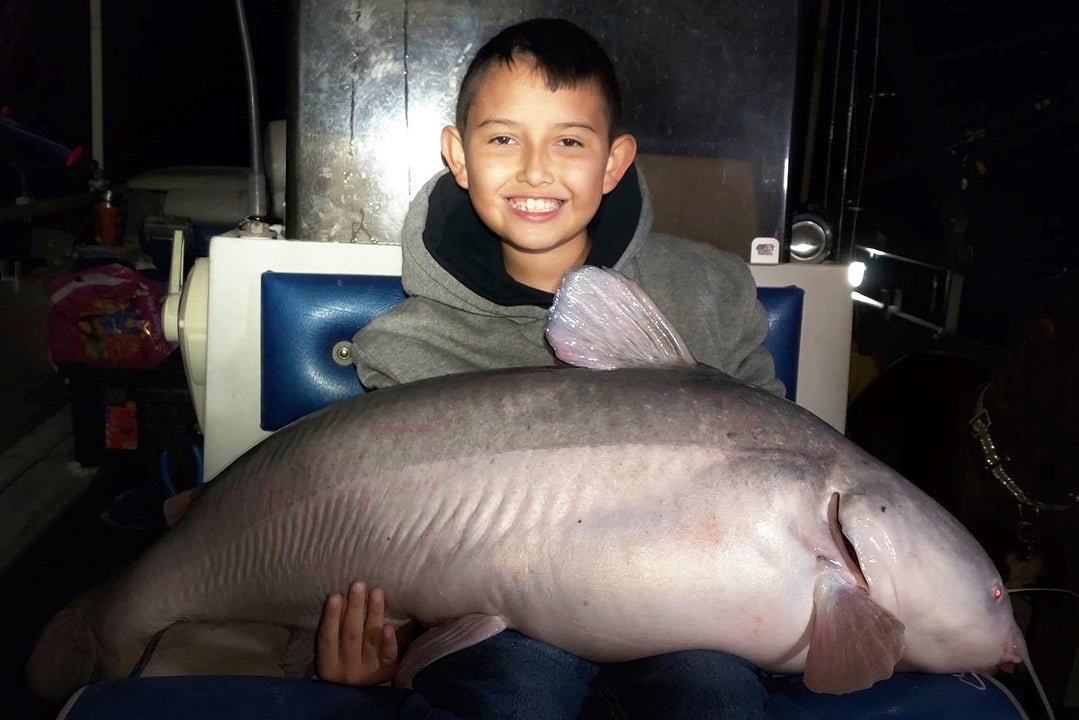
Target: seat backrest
x,y
306,321
309,319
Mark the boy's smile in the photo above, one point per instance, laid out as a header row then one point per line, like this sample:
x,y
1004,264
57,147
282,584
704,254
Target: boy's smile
x,y
536,164
532,206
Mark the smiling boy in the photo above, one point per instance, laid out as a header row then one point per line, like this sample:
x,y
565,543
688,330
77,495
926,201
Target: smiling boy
x,y
540,180
536,161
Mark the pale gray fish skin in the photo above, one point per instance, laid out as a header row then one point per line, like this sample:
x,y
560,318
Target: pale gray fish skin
x,y
617,514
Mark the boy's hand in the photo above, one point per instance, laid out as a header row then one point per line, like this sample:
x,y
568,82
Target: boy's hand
x,y
354,647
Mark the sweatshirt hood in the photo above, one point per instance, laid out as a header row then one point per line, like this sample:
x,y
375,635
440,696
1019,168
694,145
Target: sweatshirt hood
x,y
447,249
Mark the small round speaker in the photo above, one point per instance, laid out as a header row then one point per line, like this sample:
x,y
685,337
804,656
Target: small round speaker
x,y
811,239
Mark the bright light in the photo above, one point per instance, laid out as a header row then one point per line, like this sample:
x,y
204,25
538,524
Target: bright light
x,y
856,273
860,298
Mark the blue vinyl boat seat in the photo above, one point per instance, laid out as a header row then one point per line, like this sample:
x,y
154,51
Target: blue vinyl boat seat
x,y
305,316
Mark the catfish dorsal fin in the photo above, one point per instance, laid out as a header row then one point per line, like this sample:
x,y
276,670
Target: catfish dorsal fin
x,y
602,320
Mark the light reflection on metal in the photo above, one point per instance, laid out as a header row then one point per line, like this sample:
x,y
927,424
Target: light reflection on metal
x,y
374,81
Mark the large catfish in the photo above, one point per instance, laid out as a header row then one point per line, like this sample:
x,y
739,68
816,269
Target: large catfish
x,y
654,506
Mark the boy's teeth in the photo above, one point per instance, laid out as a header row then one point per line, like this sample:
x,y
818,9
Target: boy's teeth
x,y
535,204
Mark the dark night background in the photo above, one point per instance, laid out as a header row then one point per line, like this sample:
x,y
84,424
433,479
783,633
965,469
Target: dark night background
x,y
962,146
173,76
959,145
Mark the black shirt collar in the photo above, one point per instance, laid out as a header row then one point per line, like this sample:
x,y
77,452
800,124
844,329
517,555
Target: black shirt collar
x,y
465,248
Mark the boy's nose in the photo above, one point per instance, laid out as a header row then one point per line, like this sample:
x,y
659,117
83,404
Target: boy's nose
x,y
535,167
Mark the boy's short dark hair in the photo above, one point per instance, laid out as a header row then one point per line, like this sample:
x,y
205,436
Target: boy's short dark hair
x,y
565,53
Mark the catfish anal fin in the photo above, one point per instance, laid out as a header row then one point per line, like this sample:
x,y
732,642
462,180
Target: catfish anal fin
x,y
299,656
438,642
854,642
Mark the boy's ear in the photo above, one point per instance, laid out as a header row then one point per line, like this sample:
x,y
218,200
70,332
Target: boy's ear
x,y
623,153
453,152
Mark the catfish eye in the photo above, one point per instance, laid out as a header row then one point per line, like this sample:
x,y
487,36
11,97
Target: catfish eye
x,y
998,592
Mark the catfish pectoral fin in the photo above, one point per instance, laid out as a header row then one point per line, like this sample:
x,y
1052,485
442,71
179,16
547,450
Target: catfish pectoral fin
x,y
854,642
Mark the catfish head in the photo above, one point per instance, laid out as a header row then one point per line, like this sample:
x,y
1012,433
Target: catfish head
x,y
904,585
922,566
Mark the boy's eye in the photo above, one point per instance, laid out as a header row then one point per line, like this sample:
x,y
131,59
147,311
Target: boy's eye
x,y
501,140
570,142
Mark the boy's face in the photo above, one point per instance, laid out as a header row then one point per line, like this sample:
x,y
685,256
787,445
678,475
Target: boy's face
x,y
536,163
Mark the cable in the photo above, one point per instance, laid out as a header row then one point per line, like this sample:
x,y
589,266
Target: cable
x,y
850,122
257,193
868,132
1014,591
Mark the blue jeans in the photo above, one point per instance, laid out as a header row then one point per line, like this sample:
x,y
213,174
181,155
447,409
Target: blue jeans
x,y
514,676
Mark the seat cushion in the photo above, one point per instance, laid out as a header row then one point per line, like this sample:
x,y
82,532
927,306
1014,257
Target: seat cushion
x,y
784,308
303,317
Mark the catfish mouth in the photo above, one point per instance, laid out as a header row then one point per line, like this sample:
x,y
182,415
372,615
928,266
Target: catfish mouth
x,y
846,548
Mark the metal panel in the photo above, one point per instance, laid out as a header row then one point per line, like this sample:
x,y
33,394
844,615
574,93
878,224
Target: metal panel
x,y
375,81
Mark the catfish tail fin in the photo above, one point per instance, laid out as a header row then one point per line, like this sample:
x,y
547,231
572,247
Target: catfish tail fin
x,y
66,655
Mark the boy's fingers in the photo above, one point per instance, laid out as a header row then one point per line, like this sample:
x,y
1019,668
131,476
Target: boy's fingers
x,y
388,652
376,609
353,624
329,629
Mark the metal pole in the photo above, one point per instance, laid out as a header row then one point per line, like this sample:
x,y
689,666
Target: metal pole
x,y
97,103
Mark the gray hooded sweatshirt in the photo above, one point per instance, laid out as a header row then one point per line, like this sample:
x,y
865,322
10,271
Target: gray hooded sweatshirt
x,y
463,311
